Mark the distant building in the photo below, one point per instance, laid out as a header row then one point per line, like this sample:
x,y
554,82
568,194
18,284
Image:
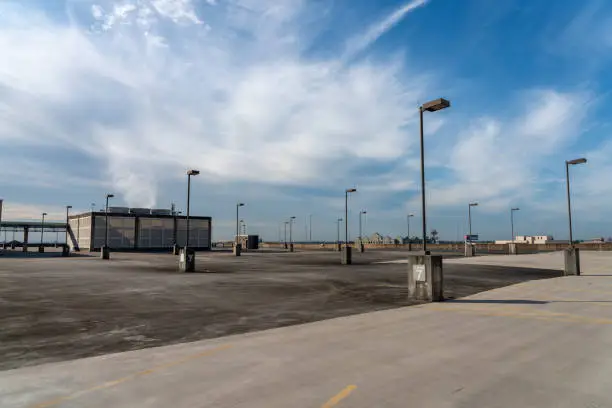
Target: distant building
x,y
533,239
377,239
138,228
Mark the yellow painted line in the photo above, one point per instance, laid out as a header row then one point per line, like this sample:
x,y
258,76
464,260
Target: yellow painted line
x,y
339,397
130,377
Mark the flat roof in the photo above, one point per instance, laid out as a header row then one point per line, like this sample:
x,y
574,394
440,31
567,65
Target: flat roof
x,y
128,215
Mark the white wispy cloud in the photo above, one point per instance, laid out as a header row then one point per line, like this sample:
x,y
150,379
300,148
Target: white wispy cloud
x,y
498,160
238,101
361,42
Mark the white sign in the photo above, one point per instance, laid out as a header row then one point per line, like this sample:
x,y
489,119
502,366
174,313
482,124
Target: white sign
x,y
182,260
419,273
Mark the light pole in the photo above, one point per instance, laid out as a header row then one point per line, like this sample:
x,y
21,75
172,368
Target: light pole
x,y
187,257
338,221
363,212
470,205
361,246
41,248
310,227
408,222
569,205
346,194
93,207
190,173
68,207
105,252
286,245
237,244
290,233
512,210
431,106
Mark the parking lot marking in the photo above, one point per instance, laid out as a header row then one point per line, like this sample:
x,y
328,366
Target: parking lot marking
x,y
130,377
339,397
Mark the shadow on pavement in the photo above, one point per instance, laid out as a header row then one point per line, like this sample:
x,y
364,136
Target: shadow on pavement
x,y
505,301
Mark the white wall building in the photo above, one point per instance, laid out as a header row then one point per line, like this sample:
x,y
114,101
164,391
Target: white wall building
x,y
532,239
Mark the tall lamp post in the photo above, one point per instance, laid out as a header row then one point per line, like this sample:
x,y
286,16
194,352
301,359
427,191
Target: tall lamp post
x,y
291,233
346,250
190,173
408,222
569,205
41,248
431,106
237,244
105,252
286,244
187,256
512,210
469,248
572,254
470,205
310,228
361,246
338,221
346,194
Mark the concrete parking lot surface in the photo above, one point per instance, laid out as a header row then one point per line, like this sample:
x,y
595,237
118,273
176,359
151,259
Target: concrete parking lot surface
x,y
542,343
55,309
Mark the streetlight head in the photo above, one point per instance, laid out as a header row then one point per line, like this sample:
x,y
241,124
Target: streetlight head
x,y
110,195
364,212
577,161
44,214
293,218
515,209
340,219
193,172
351,190
473,204
68,206
240,204
411,215
436,105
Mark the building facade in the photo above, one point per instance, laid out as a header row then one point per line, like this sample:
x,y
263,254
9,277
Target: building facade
x,y
138,230
532,239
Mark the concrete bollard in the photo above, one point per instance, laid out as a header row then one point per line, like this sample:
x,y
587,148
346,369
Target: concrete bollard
x,y
512,249
187,260
425,278
470,250
105,252
346,255
237,249
572,261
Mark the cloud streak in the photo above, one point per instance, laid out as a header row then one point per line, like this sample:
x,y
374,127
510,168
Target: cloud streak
x,y
361,42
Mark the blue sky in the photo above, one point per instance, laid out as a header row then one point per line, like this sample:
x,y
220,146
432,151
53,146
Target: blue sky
x,y
283,104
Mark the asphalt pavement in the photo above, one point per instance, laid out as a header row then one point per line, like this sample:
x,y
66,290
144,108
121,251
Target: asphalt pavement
x,y
543,343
